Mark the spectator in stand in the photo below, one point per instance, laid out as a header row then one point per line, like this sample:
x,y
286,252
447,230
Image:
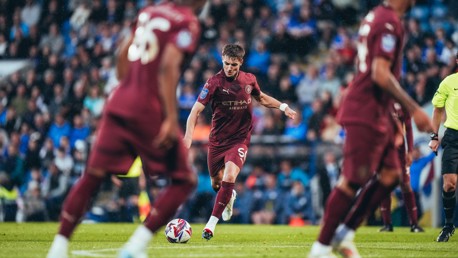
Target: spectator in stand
x,y
268,204
298,206
302,28
258,59
34,204
53,39
242,207
94,101
308,86
30,13
14,165
60,127
55,188
296,129
79,131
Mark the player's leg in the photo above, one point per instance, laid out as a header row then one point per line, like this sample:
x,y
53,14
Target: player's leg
x,y
172,163
385,157
385,206
234,158
216,179
215,162
385,210
368,200
359,163
337,206
409,201
223,198
73,209
449,203
449,174
236,155
108,154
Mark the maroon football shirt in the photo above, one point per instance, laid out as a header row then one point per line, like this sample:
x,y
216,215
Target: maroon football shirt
x,y
381,34
232,107
137,96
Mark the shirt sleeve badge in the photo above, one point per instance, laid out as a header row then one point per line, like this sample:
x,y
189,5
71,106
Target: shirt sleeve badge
x,y
388,42
203,93
184,39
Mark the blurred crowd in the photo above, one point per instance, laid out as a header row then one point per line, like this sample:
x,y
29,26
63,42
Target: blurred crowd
x,y
302,52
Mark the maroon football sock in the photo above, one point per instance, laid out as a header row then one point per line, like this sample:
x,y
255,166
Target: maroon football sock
x,y
385,210
411,207
367,201
222,198
167,203
76,203
337,207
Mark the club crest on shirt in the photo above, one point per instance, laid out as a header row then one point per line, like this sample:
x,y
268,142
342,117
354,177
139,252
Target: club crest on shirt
x,y
388,42
184,39
203,93
248,89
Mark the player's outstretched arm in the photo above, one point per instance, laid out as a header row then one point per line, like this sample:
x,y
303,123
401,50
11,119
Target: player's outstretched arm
x,y
272,102
191,123
169,73
382,76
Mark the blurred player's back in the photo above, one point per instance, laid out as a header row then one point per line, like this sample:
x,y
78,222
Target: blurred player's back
x,y
156,26
380,35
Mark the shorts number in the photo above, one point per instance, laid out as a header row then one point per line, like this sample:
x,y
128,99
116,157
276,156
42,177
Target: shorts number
x,y
145,46
242,153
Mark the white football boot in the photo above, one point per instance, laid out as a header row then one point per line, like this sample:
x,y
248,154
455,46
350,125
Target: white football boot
x,y
136,246
227,213
59,248
343,242
321,251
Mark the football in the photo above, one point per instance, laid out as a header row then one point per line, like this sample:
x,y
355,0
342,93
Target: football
x,y
178,231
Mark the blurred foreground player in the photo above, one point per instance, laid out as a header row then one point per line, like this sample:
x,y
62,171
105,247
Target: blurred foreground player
x,y
140,119
372,133
229,92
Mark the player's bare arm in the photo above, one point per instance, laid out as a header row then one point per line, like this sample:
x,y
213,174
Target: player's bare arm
x,y
384,78
271,102
169,74
191,123
122,65
438,114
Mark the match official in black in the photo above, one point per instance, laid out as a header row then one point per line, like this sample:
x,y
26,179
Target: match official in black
x,y
446,99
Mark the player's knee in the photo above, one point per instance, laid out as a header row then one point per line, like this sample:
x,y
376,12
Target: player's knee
x,y
348,187
389,177
216,186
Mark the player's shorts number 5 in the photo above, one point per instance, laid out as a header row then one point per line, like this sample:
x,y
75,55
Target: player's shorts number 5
x,y
242,153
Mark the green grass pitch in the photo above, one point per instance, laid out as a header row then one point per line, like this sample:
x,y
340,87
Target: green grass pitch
x,y
103,240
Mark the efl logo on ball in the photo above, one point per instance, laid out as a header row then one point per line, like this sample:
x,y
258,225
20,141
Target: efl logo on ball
x,y
178,231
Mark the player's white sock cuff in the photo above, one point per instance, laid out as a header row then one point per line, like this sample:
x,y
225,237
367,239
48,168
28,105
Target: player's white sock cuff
x,y
60,240
345,233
